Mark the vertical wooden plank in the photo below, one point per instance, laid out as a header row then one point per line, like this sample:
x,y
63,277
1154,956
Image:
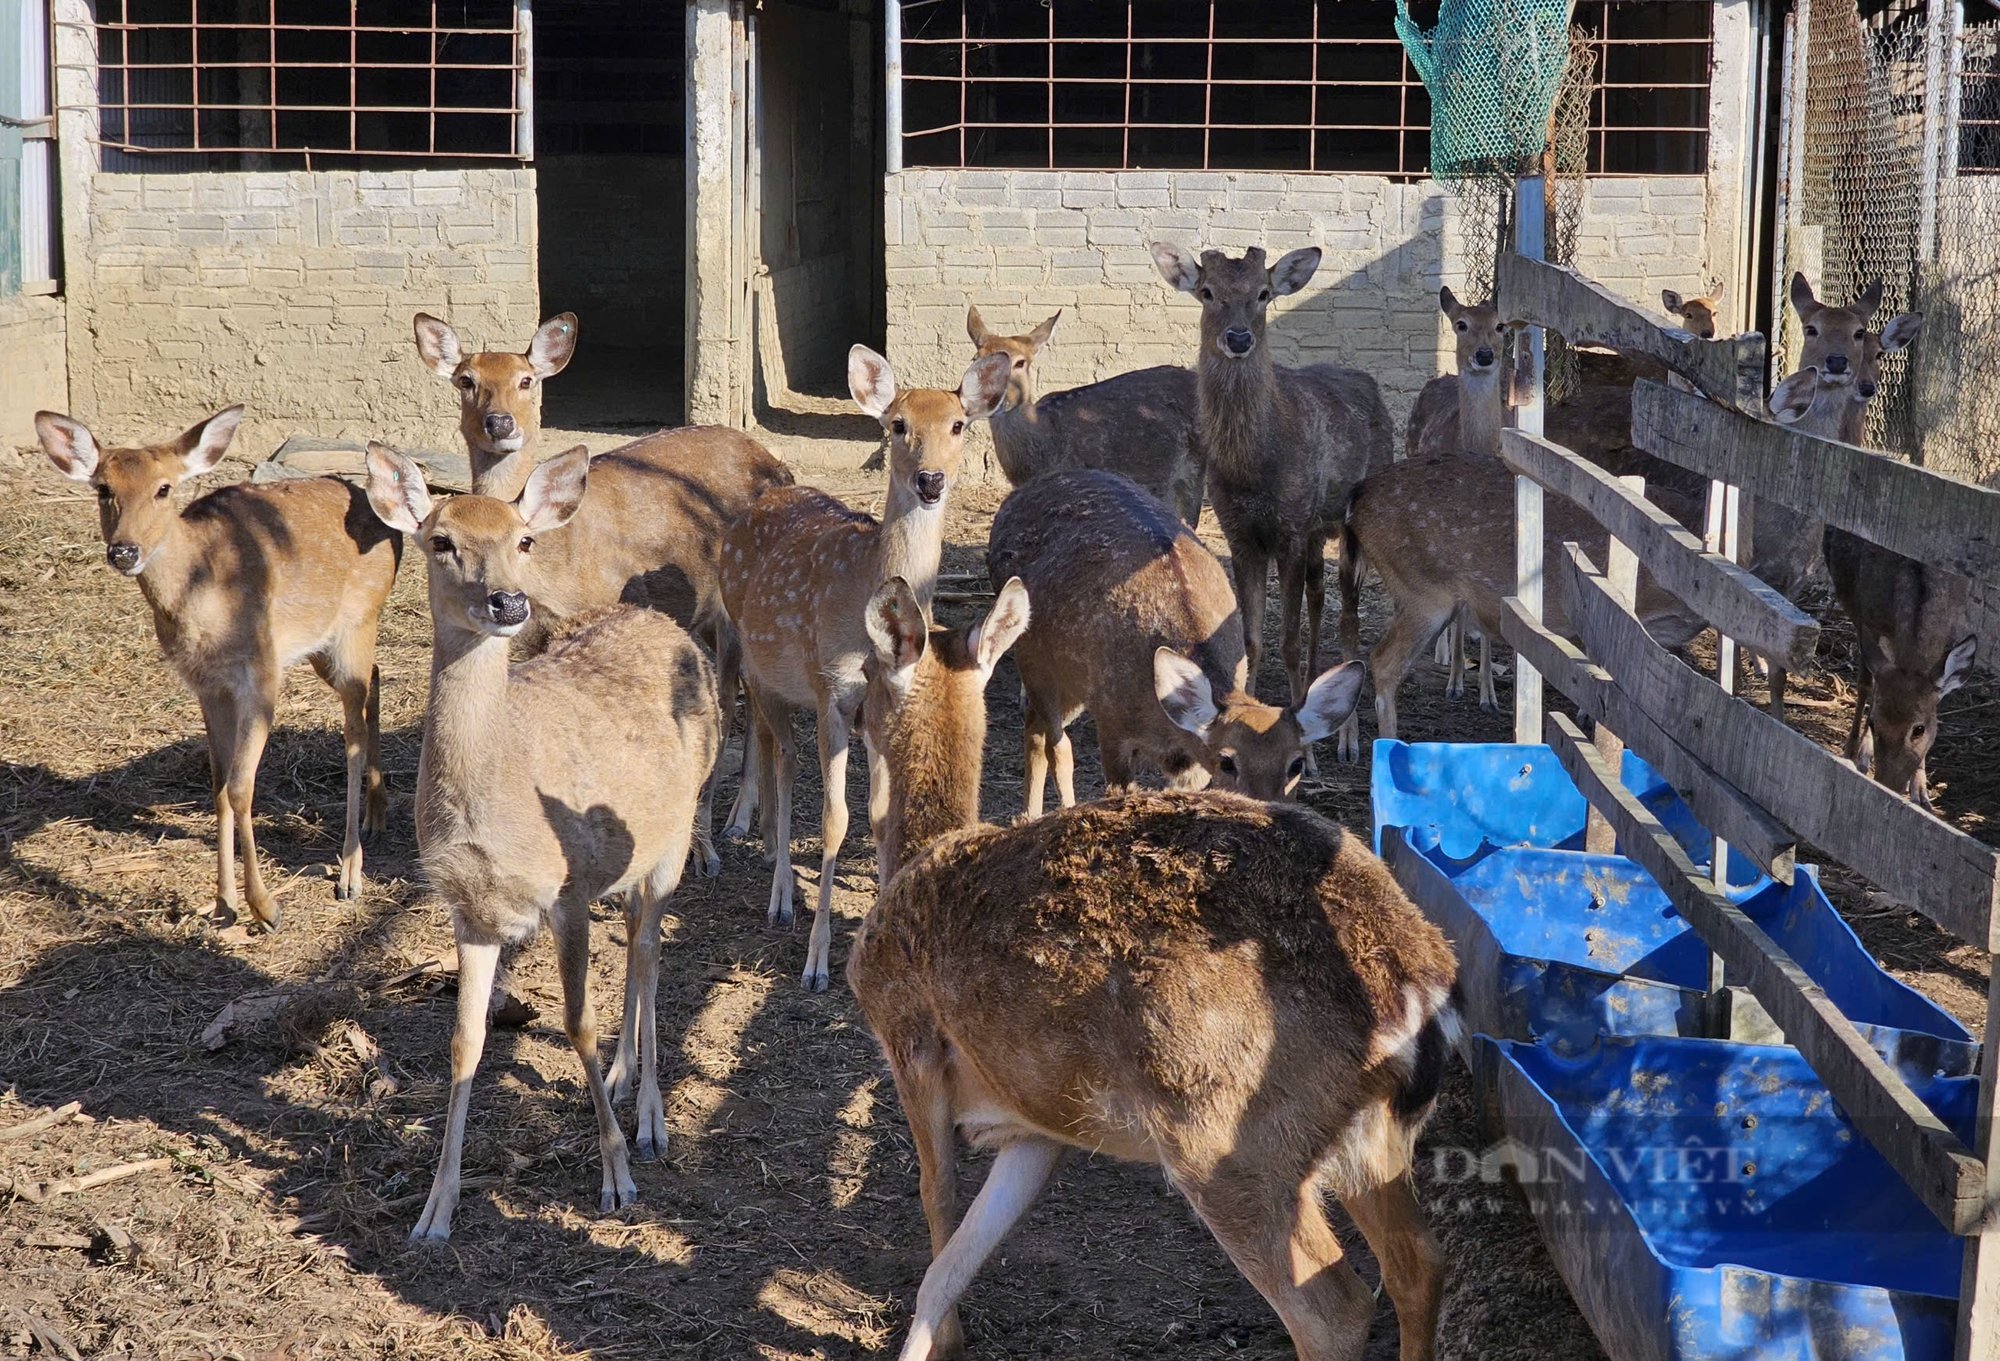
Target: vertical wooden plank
x,y
1530,227
1979,1283
1621,571
524,79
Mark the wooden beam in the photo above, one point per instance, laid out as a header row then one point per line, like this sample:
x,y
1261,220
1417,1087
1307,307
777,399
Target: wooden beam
x,y
1716,803
1584,312
1908,853
1729,597
1911,1138
1979,1279
1937,520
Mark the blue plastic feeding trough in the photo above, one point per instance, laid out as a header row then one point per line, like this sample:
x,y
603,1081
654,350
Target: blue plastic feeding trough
x,y
1560,946
1711,1200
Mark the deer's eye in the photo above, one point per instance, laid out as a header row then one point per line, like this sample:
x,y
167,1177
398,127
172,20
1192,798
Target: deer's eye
x,y
103,492
1858,335
527,383
166,490
958,427
440,544
1263,295
465,382
1207,294
899,426
1297,767
1225,765
1917,731
1812,330
1020,363
1458,326
527,543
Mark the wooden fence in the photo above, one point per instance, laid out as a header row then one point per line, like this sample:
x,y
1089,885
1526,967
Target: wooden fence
x,y
1755,782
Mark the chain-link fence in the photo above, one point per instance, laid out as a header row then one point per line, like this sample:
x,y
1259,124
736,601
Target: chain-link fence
x,y
1891,161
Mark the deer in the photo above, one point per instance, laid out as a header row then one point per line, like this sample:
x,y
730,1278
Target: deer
x,y
651,531
1144,424
1232,990
797,570
1838,375
1440,531
1286,447
544,786
1137,622
244,583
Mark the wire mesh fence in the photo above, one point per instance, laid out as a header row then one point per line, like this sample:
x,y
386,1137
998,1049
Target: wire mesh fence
x,y
1895,141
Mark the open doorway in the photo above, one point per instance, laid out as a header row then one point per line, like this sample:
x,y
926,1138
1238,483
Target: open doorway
x,y
611,181
820,166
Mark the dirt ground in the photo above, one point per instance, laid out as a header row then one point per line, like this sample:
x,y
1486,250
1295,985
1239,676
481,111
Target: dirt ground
x,y
783,1221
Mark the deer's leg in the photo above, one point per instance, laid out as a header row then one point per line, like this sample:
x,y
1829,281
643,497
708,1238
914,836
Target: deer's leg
x,y
1412,1267
835,734
1291,628
1020,1171
1040,731
776,773
1858,743
1416,623
1065,763
375,817
1315,607
254,713
569,923
478,960
642,978
1272,1227
218,713
923,1088
625,1062
743,811
1450,650
1250,570
1488,700
352,684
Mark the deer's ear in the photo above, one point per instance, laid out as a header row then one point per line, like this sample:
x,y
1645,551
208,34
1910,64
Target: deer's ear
x,y
69,445
1177,266
396,489
1956,663
1794,397
1803,301
897,627
203,446
549,352
1902,332
1003,624
1870,300
554,491
1449,304
438,344
1330,700
1675,305
984,386
871,381
1183,692
975,326
1044,333
1294,269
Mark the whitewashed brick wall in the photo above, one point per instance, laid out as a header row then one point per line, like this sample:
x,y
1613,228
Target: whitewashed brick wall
x,y
292,292
31,366
1022,243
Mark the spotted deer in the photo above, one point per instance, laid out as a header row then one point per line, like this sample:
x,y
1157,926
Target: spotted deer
x,y
651,531
1144,424
244,583
797,570
1136,621
545,786
1234,991
1286,446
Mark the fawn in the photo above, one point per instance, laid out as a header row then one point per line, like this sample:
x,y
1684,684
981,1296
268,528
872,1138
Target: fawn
x,y
1136,621
545,786
1235,991
244,583
797,570
1144,424
1286,447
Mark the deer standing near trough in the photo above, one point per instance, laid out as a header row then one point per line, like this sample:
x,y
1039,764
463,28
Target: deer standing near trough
x,y
1235,991
243,584
797,572
1136,621
1144,424
1286,447
546,786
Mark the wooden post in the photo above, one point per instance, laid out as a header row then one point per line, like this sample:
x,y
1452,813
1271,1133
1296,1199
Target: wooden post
x,y
1621,569
1979,1281
524,79
1530,223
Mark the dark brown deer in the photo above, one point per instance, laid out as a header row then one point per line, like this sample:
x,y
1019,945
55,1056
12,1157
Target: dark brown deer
x,y
1232,990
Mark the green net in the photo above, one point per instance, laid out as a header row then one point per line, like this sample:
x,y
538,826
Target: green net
x,y
1493,68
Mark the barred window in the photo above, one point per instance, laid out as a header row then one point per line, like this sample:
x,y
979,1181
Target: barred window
x,y
1274,85
211,84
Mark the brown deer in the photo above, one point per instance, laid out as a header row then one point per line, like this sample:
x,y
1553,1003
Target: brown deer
x,y
1144,424
545,786
1912,648
1440,531
651,532
244,583
797,570
1286,447
1838,375
1136,621
1235,991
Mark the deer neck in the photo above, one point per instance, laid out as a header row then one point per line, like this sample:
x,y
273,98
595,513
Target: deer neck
x,y
934,774
910,543
501,476
465,721
1479,409
1020,435
1237,398
169,578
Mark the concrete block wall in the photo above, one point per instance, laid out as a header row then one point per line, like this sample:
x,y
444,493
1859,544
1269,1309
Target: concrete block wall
x,y
292,292
32,366
1022,243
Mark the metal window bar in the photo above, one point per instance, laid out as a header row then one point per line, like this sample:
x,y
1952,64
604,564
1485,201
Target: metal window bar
x,y
1612,113
319,95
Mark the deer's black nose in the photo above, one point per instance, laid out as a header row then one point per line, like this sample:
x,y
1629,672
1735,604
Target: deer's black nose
x,y
1238,341
1865,388
930,486
1836,363
499,425
1483,356
123,556
508,607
